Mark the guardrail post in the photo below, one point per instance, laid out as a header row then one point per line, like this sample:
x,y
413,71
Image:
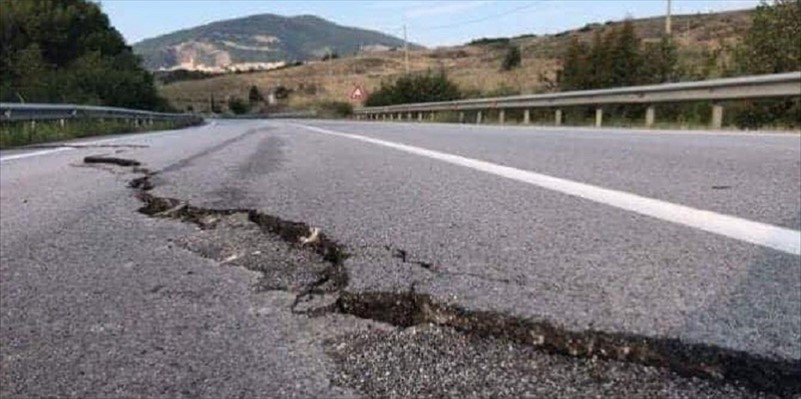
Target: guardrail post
x,y
461,116
383,117
400,116
478,117
526,116
432,116
30,132
419,116
62,122
502,116
717,116
408,116
650,116
558,117
599,116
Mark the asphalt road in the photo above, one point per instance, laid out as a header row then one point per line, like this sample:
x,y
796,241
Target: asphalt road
x,y
675,239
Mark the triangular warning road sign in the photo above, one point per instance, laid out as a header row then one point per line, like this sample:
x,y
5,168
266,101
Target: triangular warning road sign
x,y
358,93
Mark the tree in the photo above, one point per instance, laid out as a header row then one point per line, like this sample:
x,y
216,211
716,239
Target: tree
x,y
213,106
626,58
599,64
254,95
772,43
67,51
614,59
575,68
662,61
512,59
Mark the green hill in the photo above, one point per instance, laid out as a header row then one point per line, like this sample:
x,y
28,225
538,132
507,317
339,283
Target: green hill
x,y
253,42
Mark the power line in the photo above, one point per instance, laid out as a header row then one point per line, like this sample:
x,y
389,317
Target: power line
x,y
482,19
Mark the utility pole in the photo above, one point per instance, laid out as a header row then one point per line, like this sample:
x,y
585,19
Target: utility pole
x,y
405,50
330,61
667,19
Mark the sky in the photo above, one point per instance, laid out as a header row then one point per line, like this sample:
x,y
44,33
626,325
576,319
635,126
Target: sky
x,y
430,23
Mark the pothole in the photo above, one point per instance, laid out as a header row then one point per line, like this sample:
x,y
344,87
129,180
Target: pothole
x,y
295,257
111,160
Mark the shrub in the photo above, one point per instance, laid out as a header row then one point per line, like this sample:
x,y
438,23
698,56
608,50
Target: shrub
x,y
237,105
415,89
281,92
254,95
337,109
512,59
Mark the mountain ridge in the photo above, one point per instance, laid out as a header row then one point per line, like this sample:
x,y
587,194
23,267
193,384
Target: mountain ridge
x,y
259,41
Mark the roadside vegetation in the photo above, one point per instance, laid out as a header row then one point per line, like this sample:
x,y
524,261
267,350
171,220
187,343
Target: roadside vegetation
x,y
14,134
66,51
334,109
415,88
618,57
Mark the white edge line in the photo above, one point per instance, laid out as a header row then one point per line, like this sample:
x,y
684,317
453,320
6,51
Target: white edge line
x,y
34,154
89,143
778,238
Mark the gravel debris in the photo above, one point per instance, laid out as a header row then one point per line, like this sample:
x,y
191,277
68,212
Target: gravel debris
x,y
430,362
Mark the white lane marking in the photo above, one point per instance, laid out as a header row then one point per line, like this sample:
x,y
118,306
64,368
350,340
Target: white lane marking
x,y
34,154
88,143
779,238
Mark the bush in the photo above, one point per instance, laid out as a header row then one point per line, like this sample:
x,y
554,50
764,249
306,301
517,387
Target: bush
x,y
254,95
336,109
501,91
281,93
179,75
490,41
419,88
512,59
238,106
329,56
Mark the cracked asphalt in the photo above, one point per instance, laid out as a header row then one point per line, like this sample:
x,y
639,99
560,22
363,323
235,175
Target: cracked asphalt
x,y
98,300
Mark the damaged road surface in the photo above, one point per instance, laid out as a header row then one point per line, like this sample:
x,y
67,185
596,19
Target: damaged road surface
x,y
270,259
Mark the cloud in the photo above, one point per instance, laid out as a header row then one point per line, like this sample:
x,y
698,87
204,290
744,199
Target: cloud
x,y
455,7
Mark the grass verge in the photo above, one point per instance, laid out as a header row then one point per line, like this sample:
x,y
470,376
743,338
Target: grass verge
x,y
15,134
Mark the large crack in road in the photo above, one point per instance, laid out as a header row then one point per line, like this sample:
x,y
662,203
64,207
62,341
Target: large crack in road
x,y
299,258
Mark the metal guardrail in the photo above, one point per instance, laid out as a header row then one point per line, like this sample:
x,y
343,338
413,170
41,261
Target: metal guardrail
x,y
13,112
717,90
